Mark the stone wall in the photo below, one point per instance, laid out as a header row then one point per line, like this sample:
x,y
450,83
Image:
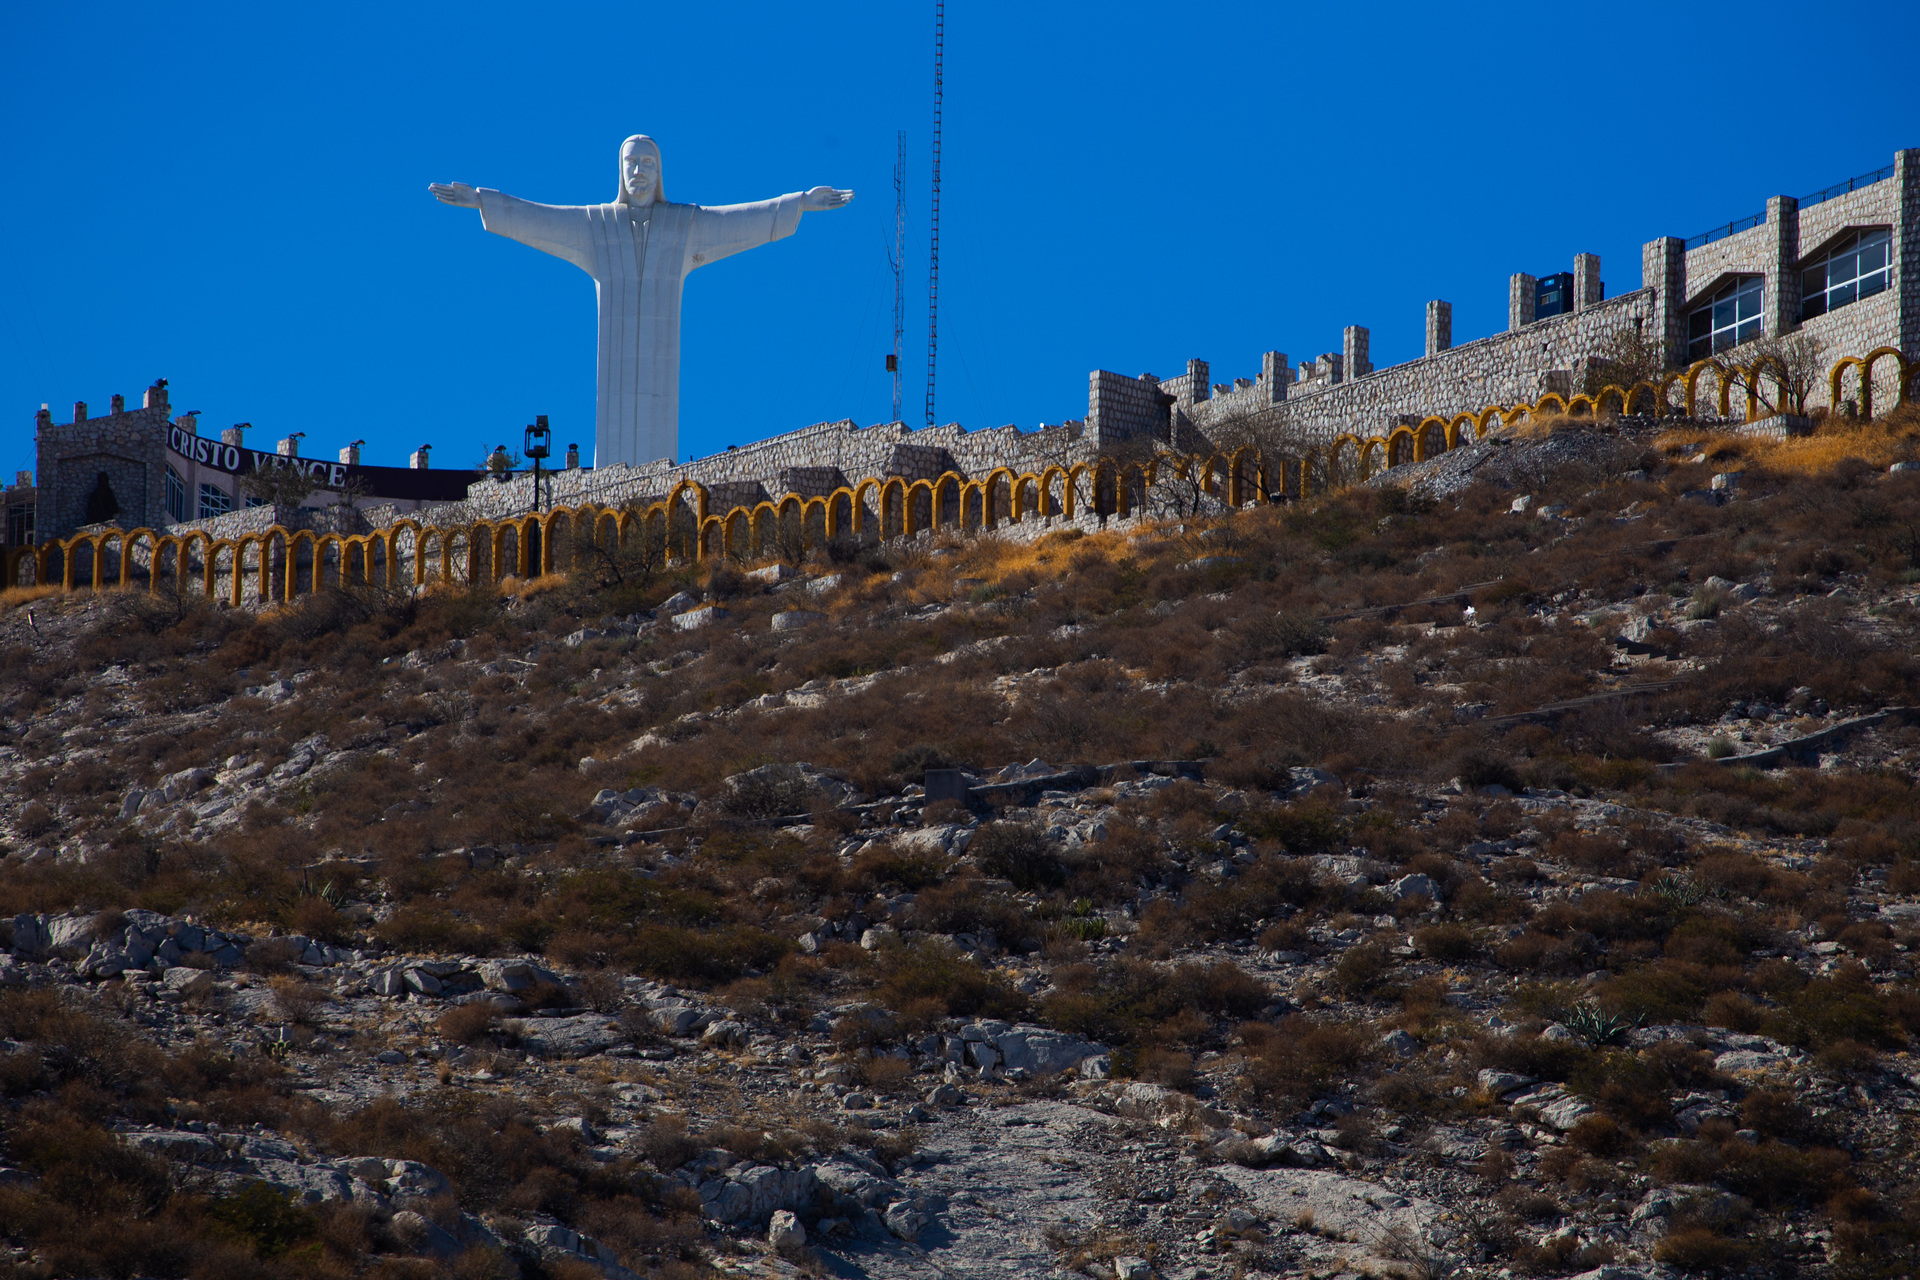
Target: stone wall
x,y
1505,368
840,452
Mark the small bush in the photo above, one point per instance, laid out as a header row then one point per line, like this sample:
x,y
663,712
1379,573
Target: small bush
x,y
1702,1249
1485,769
1166,1066
667,1143
1447,943
1017,851
884,1073
1301,828
468,1023
34,820
1363,970
266,1217
1299,1057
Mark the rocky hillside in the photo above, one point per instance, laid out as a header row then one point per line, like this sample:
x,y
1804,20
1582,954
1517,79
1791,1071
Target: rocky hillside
x,y
1510,871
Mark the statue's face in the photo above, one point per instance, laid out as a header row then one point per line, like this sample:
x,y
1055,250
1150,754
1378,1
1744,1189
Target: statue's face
x,y
640,170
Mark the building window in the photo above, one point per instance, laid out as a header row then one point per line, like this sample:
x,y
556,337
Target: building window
x,y
1855,268
214,501
20,524
176,495
1729,318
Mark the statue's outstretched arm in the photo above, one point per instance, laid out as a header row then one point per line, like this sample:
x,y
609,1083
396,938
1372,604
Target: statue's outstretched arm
x,y
720,231
563,230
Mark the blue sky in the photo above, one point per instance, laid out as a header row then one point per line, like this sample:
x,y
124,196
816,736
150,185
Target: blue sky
x,y
234,197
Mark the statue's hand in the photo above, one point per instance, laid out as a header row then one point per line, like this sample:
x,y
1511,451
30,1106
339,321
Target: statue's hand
x,y
821,198
455,193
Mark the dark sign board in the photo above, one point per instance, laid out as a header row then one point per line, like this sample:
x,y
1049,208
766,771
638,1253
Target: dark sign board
x,y
406,483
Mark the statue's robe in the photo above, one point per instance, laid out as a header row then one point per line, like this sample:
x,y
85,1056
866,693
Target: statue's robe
x,y
639,259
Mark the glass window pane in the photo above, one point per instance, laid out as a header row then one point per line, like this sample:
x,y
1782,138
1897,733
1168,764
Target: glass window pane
x,y
1872,257
1875,283
1749,329
1700,324
1841,296
1814,304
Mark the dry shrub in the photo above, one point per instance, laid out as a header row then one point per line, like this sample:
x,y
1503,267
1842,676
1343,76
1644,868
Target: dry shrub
x,y
34,820
469,1023
1363,969
1603,854
1447,943
1600,1135
964,905
600,991
1019,852
923,971
315,917
884,1073
666,1142
1700,1248
885,865
894,1147
1299,1057
297,1000
1777,1113
428,927
1734,1011
274,955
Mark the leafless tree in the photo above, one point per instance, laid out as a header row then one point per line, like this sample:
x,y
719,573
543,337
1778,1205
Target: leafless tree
x,y
1272,437
603,562
278,485
1625,357
1781,371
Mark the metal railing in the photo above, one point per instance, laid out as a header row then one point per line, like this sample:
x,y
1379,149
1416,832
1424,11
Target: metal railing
x,y
1721,233
1818,197
1851,184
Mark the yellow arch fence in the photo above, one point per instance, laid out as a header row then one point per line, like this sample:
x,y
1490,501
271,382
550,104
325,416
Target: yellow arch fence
x,y
283,563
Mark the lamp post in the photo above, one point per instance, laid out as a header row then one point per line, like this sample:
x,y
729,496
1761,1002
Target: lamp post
x,y
539,443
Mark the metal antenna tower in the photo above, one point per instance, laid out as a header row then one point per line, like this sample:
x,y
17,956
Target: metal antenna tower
x,y
933,213
899,259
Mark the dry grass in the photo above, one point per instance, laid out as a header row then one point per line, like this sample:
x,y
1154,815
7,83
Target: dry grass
x,y
1835,440
14,597
1894,438
527,588
996,560
1546,425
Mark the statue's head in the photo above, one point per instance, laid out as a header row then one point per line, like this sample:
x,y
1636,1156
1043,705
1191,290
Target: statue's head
x,y
640,171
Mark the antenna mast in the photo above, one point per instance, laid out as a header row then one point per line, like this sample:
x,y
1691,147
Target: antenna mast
x,y
933,215
899,264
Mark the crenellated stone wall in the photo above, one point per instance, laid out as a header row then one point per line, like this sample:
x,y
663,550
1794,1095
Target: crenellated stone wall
x,y
127,446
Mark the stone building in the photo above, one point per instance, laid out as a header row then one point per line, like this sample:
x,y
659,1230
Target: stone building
x,y
146,468
1842,265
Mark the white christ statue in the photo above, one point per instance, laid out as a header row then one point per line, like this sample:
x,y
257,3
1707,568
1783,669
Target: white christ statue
x,y
638,250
